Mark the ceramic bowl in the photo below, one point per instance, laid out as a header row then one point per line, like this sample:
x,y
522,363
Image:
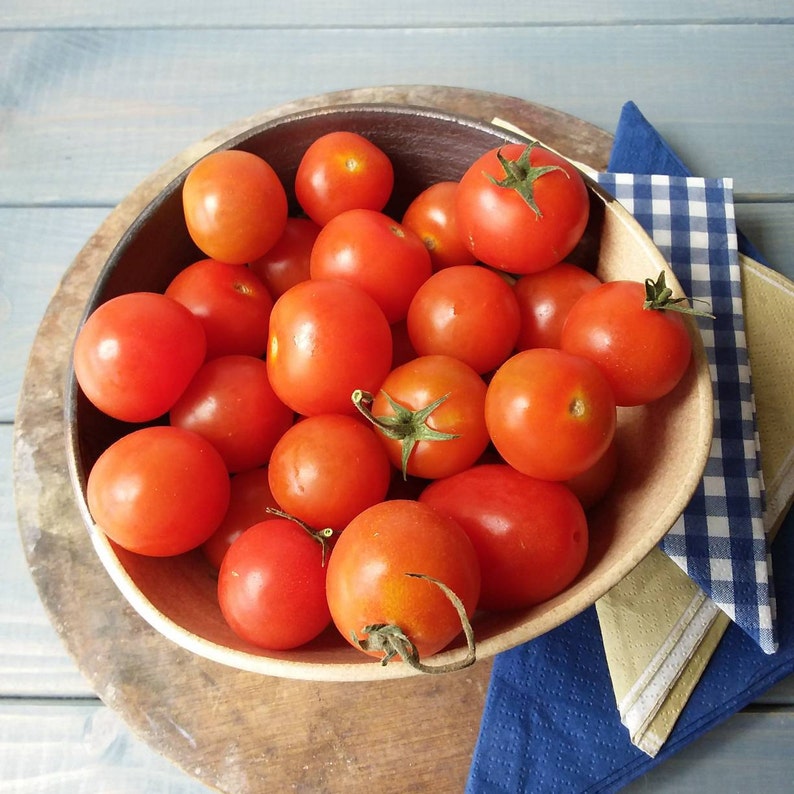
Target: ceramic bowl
x,y
654,483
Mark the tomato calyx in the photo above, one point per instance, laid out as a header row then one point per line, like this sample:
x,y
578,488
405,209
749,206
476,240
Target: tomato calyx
x,y
659,297
521,176
322,536
406,426
392,640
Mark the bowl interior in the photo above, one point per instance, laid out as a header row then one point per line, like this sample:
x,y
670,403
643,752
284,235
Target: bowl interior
x,y
654,483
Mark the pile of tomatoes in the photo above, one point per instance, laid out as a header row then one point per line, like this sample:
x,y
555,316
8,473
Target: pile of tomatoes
x,y
374,422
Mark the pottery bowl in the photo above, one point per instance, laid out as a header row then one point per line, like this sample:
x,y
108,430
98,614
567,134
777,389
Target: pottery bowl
x,y
177,595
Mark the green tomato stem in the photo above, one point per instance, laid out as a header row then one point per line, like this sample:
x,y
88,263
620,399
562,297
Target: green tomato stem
x,y
322,536
659,297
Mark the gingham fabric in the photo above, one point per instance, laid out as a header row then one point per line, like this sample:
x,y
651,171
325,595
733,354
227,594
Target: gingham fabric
x,y
720,540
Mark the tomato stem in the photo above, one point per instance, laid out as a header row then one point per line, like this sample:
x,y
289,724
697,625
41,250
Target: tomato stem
x,y
407,426
392,640
322,536
521,175
659,297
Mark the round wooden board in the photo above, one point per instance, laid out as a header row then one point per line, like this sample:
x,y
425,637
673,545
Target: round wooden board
x,y
239,732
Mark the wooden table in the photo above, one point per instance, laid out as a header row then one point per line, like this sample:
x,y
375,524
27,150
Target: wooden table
x,y
96,99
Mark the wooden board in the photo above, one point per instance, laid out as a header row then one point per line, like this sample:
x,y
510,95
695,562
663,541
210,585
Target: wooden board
x,y
235,731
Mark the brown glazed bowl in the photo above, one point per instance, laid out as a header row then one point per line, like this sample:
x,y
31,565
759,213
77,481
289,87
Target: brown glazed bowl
x,y
177,596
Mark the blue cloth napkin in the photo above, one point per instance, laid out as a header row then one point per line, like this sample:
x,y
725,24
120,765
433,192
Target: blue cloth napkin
x,y
550,722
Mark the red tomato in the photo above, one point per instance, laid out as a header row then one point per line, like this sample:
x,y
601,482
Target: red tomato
x,y
431,215
411,435
468,312
643,352
527,221
327,338
287,262
326,469
231,403
231,302
544,300
139,495
235,206
379,255
530,535
136,354
592,485
249,501
550,414
367,582
342,171
271,586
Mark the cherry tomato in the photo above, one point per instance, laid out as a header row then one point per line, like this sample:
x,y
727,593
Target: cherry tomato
x,y
271,586
544,300
139,493
327,338
466,311
231,302
249,501
431,215
367,582
379,255
235,206
326,469
530,535
643,352
448,439
231,403
342,171
592,485
550,414
136,353
525,220
287,262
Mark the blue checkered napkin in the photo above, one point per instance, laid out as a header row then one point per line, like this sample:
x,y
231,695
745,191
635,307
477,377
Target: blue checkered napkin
x,y
720,540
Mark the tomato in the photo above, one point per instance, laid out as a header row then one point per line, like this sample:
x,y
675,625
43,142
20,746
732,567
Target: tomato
x,y
431,215
327,338
550,414
231,403
530,535
367,582
466,311
235,206
139,495
249,501
643,352
592,485
528,220
328,468
287,262
449,438
342,171
136,353
271,586
379,255
231,302
544,300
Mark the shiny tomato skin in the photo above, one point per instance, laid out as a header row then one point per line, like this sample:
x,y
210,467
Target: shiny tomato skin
x,y
544,300
340,171
550,414
469,312
326,469
530,535
503,231
431,215
136,354
271,586
235,206
231,302
370,250
327,338
140,495
644,353
366,574
231,403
